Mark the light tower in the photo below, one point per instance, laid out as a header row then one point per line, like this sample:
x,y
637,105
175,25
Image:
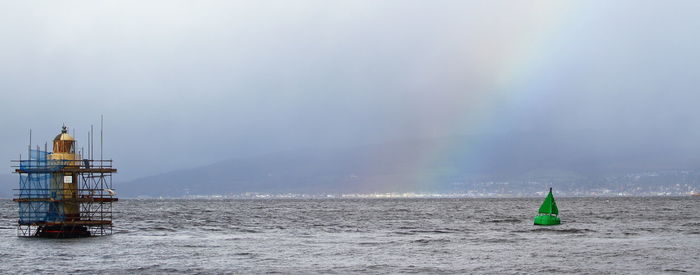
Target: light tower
x,y
66,182
62,194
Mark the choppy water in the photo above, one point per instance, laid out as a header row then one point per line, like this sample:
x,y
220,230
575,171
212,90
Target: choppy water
x,y
609,235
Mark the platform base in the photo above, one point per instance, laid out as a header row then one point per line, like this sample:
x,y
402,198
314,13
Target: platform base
x,y
60,232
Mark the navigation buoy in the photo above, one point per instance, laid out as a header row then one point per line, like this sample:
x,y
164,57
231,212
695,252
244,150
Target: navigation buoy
x,y
548,211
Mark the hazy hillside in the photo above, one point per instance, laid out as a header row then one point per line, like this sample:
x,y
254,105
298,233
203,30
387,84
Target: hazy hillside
x,y
414,166
7,183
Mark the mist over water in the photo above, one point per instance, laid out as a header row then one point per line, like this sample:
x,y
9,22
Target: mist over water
x,y
375,236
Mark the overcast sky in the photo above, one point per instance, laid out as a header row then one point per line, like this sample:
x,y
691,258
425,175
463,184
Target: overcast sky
x,y
185,83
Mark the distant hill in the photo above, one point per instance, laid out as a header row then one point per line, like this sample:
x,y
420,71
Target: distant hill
x,y
348,170
413,166
7,183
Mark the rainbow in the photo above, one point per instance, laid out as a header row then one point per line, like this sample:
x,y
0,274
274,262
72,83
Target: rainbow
x,y
512,81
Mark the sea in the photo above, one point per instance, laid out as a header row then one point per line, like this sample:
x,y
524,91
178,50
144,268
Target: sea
x,y
621,235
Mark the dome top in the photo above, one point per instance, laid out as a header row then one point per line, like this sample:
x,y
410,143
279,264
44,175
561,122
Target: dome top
x,y
64,135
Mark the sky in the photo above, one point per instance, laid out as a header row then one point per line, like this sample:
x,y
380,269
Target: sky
x,y
188,83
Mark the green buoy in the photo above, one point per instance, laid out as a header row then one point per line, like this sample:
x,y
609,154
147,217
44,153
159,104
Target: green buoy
x,y
548,211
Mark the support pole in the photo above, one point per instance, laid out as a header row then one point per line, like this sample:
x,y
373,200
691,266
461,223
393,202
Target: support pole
x,y
101,136
29,151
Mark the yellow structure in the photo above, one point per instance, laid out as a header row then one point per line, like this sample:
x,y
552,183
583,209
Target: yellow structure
x,y
64,147
66,182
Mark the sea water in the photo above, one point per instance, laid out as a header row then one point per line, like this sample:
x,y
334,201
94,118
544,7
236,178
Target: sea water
x,y
338,236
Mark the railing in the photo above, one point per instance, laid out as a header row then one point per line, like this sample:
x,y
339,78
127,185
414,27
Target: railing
x,y
54,165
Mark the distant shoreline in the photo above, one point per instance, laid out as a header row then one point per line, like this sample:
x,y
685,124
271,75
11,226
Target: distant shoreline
x,y
311,197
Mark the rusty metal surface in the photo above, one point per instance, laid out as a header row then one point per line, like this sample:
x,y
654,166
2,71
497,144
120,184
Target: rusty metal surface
x,y
72,223
68,169
67,200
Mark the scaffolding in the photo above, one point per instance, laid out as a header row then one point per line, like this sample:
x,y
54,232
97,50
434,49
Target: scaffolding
x,y
64,197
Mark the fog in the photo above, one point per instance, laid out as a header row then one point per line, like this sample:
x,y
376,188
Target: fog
x,y
188,83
